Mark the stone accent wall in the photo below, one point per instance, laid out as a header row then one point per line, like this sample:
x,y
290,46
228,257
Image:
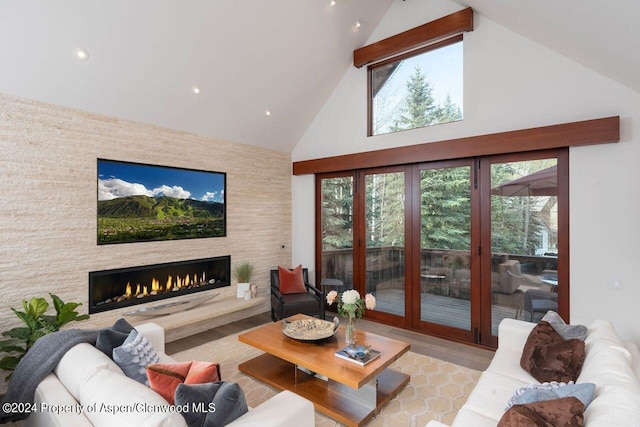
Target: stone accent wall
x,y
48,164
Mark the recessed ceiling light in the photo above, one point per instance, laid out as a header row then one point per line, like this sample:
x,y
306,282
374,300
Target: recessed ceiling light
x,y
332,3
267,113
357,25
195,90
82,54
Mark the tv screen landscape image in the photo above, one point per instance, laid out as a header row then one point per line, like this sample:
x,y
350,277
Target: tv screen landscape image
x,y
139,202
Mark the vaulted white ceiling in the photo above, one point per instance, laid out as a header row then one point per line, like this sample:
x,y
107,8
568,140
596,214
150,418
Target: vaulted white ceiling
x,y
248,57
145,56
602,35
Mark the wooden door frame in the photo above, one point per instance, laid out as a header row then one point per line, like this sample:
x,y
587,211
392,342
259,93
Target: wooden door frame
x,y
417,324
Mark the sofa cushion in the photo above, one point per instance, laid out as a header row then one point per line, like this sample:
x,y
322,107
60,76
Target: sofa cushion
x,y
116,400
506,361
491,393
513,334
615,407
602,331
566,331
634,352
469,418
607,365
53,393
80,364
291,282
548,357
211,404
164,378
134,355
564,412
553,390
299,412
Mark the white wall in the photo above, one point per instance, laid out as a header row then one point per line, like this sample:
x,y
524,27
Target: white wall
x,y
513,83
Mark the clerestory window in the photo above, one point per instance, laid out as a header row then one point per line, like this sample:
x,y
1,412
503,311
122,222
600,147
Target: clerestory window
x,y
415,78
423,88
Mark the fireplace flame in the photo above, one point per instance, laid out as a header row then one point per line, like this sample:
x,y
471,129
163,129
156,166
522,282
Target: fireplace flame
x,y
155,286
174,283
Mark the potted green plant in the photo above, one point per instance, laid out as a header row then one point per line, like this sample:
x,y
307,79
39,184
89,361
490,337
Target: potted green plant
x,y
243,272
21,339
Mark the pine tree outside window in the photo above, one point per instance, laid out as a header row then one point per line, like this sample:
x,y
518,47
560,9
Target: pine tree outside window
x,y
422,88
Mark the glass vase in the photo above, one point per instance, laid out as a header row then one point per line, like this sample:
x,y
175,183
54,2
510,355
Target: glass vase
x,y
350,331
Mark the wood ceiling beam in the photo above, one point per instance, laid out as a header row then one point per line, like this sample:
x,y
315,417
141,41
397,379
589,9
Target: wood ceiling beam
x,y
574,134
449,25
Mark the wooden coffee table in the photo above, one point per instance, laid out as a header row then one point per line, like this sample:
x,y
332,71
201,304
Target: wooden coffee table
x,y
345,391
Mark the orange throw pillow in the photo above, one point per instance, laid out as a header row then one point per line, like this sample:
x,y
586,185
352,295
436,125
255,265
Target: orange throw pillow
x,y
165,377
291,282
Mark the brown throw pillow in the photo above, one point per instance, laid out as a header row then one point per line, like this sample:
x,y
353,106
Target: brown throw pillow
x,y
565,412
291,282
548,357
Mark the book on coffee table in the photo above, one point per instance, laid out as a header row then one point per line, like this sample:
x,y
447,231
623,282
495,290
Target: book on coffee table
x,y
359,355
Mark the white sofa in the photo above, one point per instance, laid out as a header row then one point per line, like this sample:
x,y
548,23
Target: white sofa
x,y
611,364
88,389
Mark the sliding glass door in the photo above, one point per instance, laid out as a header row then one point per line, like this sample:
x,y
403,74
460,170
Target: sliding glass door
x,y
451,248
444,256
336,202
527,266
384,232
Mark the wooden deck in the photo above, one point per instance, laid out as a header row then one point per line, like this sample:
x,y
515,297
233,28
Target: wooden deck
x,y
440,309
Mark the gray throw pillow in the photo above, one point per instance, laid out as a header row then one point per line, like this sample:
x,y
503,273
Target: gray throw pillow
x,y
211,404
110,338
134,355
564,330
553,390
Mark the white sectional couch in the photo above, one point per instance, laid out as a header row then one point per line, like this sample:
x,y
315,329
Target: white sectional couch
x,y
88,389
611,364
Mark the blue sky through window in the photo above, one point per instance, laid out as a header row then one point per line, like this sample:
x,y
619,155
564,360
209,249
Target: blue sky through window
x,y
442,68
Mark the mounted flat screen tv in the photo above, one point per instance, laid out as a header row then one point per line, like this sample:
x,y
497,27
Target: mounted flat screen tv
x,y
139,202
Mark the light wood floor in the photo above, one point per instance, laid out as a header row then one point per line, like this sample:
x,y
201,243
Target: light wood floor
x,y
460,354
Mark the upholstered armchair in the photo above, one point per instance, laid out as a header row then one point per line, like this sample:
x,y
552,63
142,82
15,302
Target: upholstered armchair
x,y
294,294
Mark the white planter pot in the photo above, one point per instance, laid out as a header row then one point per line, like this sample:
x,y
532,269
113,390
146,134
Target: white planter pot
x,y
242,288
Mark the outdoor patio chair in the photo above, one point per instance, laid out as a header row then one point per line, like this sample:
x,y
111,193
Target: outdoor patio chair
x,y
536,301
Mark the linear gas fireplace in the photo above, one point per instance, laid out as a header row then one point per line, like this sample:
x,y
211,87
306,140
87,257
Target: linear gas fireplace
x,y
123,287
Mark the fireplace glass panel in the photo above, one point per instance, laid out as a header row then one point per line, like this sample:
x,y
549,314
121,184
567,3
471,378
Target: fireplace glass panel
x,y
118,288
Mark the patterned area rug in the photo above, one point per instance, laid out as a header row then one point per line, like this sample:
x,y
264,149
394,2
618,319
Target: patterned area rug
x,y
436,391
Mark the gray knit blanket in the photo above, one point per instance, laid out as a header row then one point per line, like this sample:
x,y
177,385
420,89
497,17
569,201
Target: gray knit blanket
x,y
40,361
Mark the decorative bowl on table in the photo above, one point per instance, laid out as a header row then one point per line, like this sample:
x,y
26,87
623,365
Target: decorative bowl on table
x,y
310,329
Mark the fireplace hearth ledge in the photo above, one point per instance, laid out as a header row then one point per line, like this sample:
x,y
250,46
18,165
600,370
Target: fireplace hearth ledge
x,y
208,315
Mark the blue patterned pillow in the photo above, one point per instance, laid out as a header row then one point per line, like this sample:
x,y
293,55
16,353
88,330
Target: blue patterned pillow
x,y
564,330
134,355
553,390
